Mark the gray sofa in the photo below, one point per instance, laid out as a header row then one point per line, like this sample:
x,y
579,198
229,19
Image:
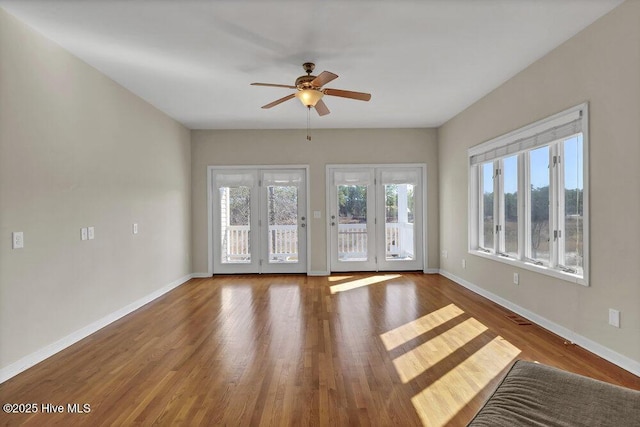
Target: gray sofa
x,y
532,394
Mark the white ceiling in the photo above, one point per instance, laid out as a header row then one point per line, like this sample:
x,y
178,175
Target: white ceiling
x,y
422,61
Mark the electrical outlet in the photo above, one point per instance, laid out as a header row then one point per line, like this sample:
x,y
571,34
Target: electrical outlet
x,y
135,228
18,240
516,278
91,232
317,214
614,318
445,254
464,263
83,233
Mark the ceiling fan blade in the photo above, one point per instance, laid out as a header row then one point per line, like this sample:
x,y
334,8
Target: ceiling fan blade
x,y
361,96
279,101
321,108
273,85
324,78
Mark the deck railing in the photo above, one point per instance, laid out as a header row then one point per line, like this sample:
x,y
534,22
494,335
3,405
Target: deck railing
x,y
283,242
399,240
353,239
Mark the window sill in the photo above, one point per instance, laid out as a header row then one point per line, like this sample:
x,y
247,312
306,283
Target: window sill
x,y
568,277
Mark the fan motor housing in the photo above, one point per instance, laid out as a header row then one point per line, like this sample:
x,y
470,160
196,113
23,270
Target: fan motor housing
x,y
304,82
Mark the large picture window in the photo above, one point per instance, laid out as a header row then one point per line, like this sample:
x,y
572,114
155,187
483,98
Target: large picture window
x,y
528,197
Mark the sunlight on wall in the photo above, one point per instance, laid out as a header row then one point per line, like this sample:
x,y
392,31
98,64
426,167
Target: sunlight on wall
x,y
411,330
359,283
443,399
415,362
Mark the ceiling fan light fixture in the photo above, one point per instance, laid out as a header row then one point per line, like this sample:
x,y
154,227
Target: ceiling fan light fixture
x,y
309,97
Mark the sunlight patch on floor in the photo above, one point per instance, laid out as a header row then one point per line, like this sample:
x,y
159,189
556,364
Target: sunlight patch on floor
x,y
418,360
441,401
405,333
338,278
359,283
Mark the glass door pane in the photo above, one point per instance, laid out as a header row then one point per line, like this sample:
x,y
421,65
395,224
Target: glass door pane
x,y
400,195
235,221
284,213
352,223
398,223
235,225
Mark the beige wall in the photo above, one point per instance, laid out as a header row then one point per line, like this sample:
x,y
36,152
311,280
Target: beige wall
x,y
281,147
600,65
77,150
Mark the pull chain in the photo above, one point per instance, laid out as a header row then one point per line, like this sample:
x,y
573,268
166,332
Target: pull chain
x,y
308,122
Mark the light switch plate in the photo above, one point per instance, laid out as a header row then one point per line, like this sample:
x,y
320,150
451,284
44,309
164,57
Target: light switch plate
x,y
91,233
83,233
135,228
614,318
18,240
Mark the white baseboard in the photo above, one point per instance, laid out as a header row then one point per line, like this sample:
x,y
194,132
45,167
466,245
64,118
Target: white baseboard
x,y
327,273
318,273
53,348
606,353
201,275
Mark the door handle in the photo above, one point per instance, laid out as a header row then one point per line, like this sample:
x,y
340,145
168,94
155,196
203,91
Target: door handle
x,y
303,218
333,223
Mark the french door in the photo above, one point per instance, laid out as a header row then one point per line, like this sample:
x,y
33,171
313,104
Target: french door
x,y
259,220
375,218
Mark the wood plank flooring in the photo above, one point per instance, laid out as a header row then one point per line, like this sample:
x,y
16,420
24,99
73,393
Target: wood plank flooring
x,y
354,349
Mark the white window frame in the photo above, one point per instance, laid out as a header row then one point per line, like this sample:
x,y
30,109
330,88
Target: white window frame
x,y
521,142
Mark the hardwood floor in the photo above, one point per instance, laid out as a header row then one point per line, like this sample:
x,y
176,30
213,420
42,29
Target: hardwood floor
x,y
353,349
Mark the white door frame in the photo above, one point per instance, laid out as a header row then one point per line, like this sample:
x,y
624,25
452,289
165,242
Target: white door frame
x,y
424,219
210,207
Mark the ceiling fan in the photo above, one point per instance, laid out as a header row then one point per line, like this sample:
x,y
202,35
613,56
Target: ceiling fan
x,y
310,91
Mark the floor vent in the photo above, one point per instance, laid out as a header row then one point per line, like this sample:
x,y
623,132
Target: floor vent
x,y
518,320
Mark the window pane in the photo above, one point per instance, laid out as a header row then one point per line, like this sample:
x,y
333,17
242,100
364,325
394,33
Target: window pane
x,y
235,220
399,230
510,177
539,209
352,223
486,240
282,212
573,205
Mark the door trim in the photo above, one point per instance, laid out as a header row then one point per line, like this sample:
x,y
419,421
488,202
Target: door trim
x,y
212,168
425,215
